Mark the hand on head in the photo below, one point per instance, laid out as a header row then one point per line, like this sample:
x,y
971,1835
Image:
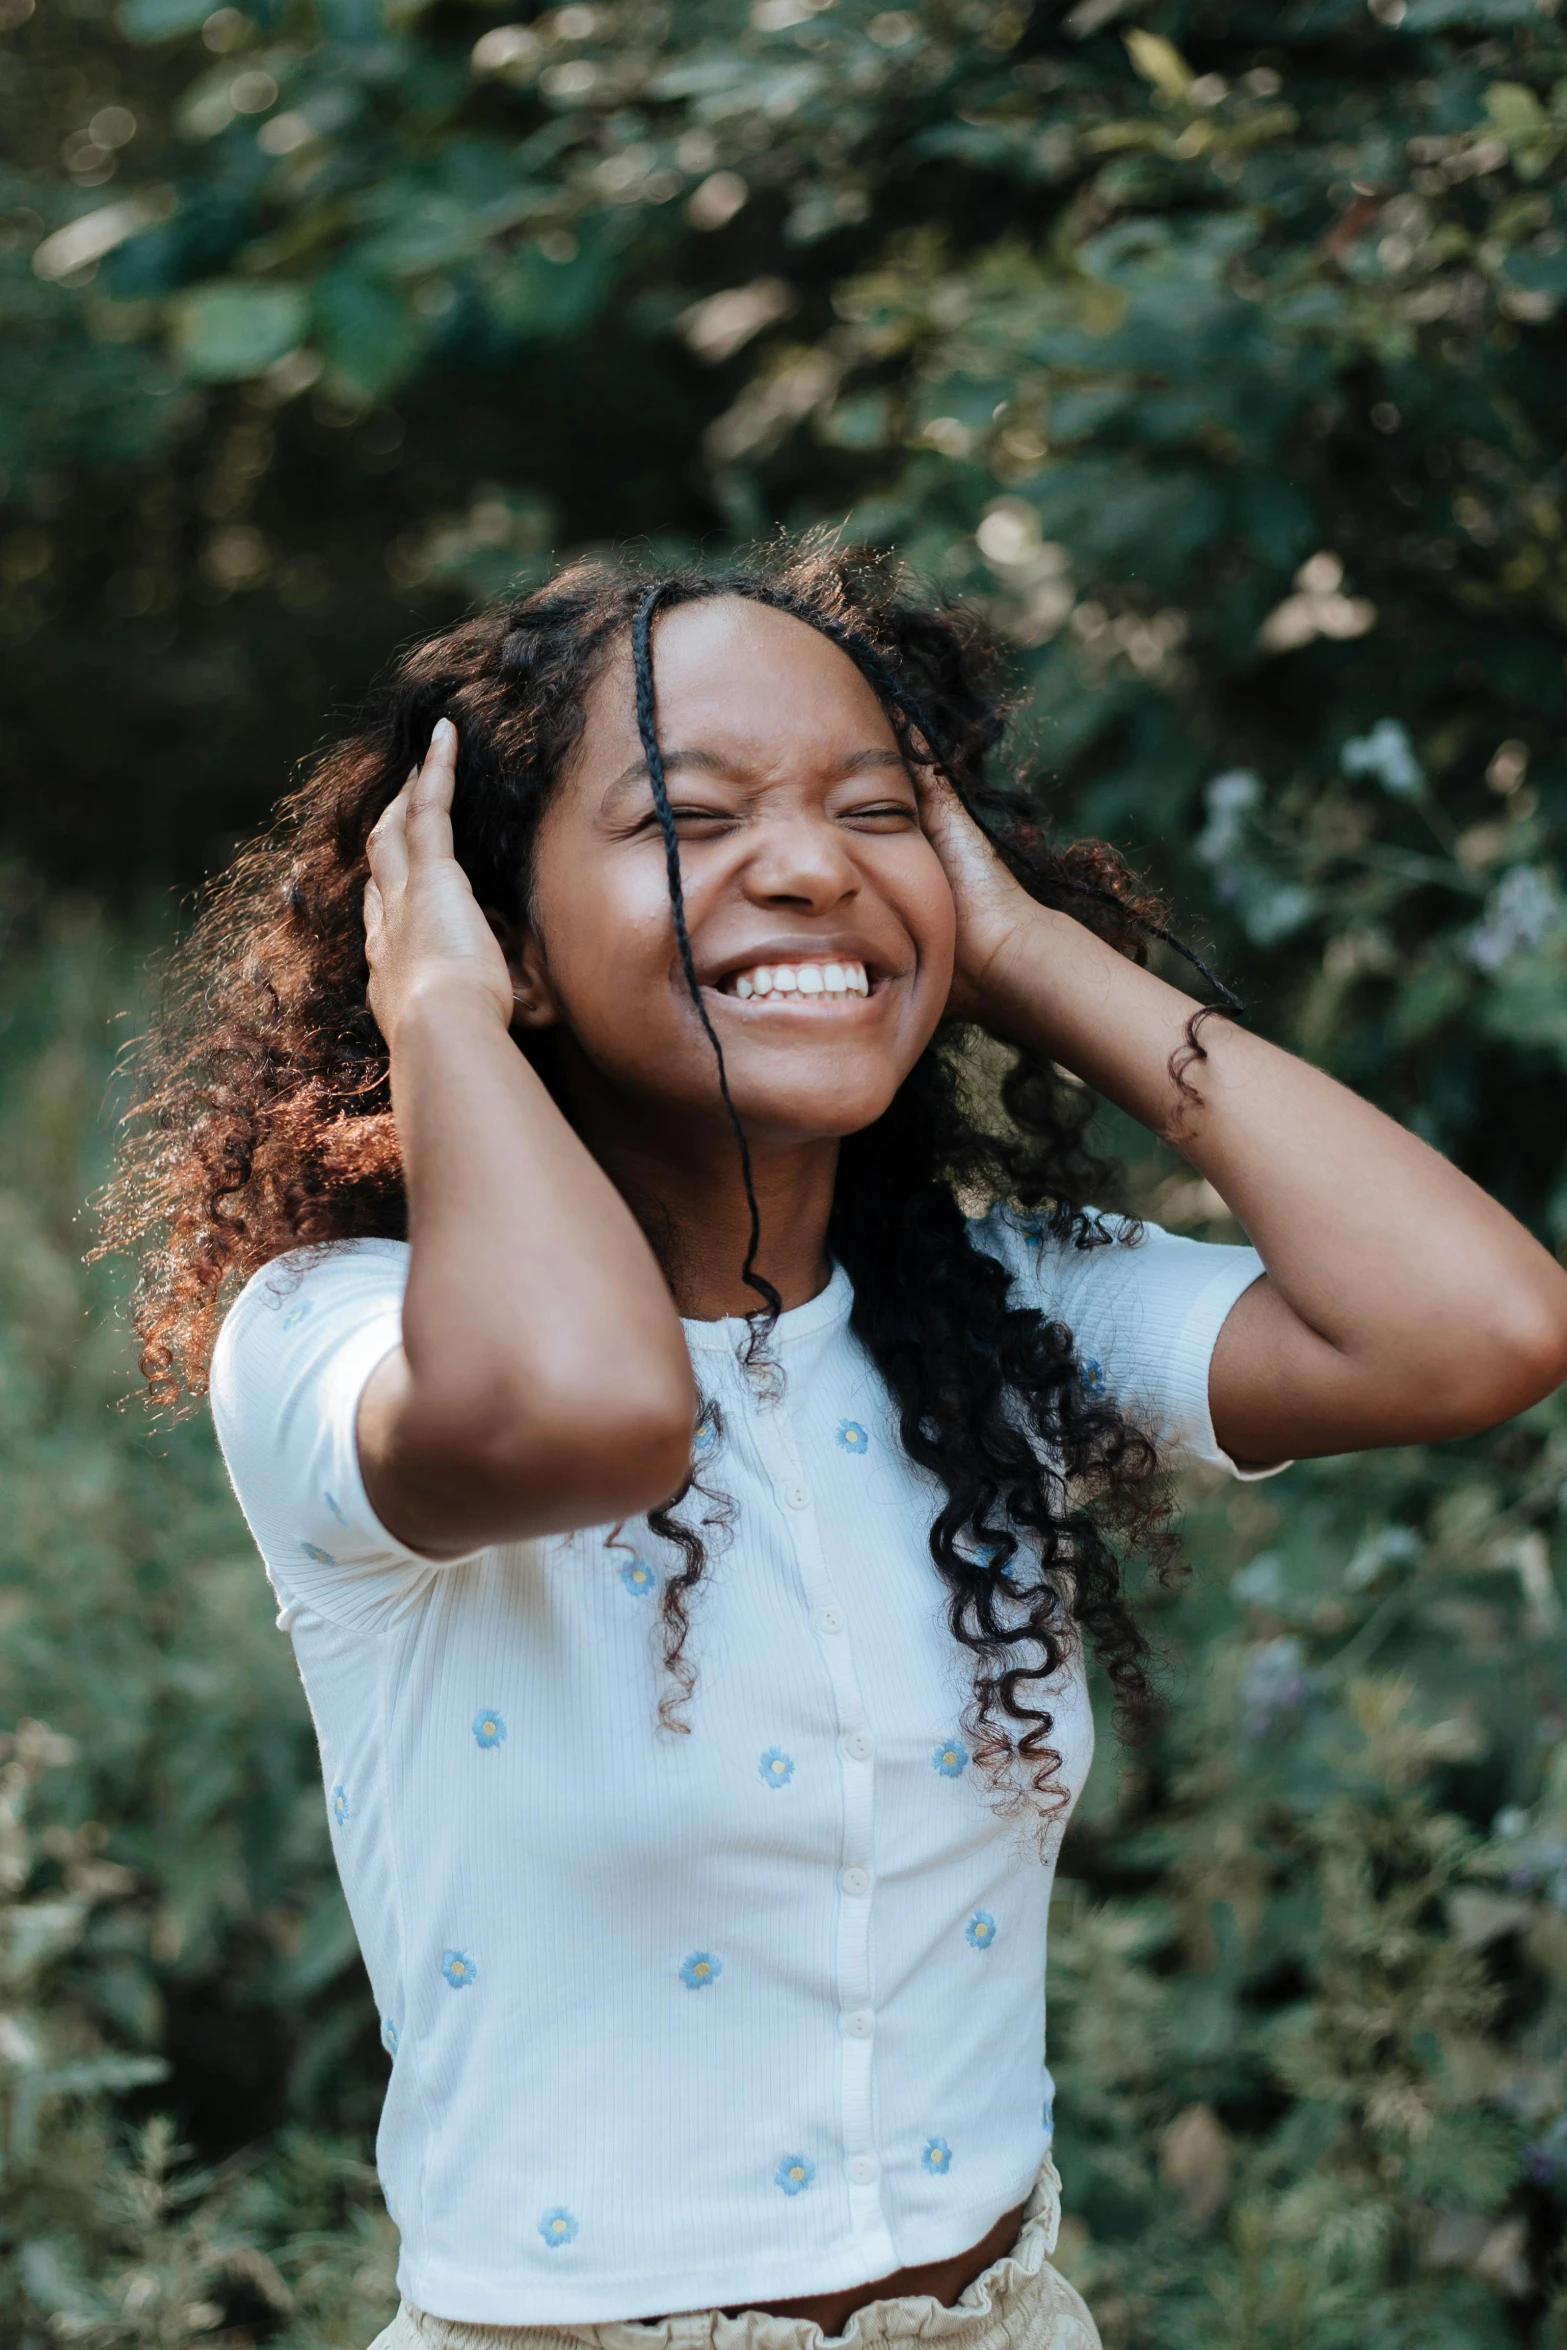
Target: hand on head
x,y
423,925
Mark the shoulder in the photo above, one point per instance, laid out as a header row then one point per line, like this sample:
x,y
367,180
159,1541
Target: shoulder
x,y
1032,1243
306,1295
310,1275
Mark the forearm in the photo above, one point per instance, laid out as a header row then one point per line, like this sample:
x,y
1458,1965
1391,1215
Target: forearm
x,y
1429,1294
540,1339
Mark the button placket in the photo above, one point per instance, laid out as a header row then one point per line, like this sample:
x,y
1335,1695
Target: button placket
x,y
857,1769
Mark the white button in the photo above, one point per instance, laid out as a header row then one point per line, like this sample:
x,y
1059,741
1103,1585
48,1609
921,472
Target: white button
x,y
798,1497
859,1746
862,2169
830,1619
859,2023
855,1880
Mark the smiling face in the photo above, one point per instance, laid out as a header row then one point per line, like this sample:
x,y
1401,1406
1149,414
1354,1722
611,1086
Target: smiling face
x,y
820,920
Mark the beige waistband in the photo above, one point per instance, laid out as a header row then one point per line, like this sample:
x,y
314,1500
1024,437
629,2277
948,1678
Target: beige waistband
x,y
1019,2303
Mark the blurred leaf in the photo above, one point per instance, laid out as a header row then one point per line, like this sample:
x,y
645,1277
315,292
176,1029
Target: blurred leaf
x,y
161,20
366,332
231,331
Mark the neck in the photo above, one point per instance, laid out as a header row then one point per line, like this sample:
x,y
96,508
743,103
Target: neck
x,y
686,1190
695,1213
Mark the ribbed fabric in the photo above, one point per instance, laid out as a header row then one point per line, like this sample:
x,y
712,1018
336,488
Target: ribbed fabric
x,y
684,2020
1019,2303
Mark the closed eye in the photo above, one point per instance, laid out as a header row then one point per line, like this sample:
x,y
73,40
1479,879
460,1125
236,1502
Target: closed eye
x,y
685,812
881,813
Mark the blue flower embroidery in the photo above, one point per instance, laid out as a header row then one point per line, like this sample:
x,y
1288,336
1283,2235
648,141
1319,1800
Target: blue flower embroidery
x,y
335,1507
950,1758
340,1804
980,1930
937,2156
1091,1374
557,2227
313,1550
638,1577
853,1437
488,1727
776,1767
706,1435
388,2035
794,2174
459,1969
296,1314
700,1969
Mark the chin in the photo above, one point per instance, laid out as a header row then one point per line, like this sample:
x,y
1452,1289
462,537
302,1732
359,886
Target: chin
x,y
787,1116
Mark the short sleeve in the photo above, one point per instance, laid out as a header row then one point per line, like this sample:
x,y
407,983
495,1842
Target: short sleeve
x,y
1145,1308
292,1360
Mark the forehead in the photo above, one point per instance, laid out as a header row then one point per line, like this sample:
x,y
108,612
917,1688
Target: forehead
x,y
739,678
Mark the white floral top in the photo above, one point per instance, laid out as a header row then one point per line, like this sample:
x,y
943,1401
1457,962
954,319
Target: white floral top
x,y
675,2020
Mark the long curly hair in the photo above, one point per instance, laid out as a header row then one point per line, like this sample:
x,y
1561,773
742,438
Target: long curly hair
x,y
263,1122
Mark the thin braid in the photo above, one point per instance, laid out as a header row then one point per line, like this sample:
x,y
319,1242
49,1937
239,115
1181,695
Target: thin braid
x,y
647,727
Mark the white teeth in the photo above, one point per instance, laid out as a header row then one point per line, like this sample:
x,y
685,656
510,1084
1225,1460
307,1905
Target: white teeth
x,y
806,979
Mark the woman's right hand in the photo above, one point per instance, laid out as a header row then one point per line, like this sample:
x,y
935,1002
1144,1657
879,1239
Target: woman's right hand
x,y
543,1381
423,927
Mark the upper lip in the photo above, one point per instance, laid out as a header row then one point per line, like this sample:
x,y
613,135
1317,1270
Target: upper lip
x,y
797,950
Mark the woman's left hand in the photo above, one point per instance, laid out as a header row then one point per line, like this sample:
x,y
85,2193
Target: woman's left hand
x,y
995,912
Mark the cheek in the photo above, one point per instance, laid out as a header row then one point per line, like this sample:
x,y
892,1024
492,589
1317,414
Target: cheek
x,y
608,943
930,914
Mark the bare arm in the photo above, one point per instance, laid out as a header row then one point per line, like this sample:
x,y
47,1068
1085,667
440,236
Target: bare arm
x,y
1401,1303
543,1381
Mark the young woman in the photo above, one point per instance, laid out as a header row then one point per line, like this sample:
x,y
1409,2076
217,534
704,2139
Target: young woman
x,y
690,1411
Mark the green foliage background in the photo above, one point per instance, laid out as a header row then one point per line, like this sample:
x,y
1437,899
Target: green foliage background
x,y
1219,349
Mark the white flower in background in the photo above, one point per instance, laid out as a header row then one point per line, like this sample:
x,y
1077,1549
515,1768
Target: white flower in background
x,y
1319,607
1523,911
1387,754
1230,797
1275,1682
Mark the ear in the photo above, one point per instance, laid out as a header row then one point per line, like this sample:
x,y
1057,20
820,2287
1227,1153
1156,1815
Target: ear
x,y
534,1003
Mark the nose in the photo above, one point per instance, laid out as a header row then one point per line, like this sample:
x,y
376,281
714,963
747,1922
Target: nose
x,y
801,859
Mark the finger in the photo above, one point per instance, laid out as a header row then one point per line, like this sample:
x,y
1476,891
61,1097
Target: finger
x,y
429,805
946,820
932,792
374,918
387,846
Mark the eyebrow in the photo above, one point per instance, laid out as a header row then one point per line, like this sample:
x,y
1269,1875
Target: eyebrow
x,y
712,763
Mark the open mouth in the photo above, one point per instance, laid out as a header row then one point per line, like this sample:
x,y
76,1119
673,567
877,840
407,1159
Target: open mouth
x,y
832,977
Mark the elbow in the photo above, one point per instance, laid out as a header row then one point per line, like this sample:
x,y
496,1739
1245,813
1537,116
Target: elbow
x,y
547,1462
1536,1345
642,1458
1520,1359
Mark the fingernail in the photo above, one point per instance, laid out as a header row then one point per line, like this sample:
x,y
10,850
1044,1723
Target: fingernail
x,y
444,730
